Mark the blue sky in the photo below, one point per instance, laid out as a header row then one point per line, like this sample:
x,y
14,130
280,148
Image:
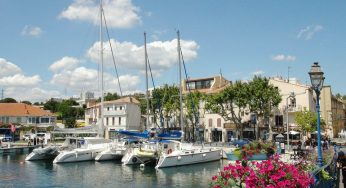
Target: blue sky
x,y
50,48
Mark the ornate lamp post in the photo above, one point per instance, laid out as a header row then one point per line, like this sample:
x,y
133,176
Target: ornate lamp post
x,y
317,79
292,97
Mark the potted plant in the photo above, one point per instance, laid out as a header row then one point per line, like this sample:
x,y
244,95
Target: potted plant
x,y
253,151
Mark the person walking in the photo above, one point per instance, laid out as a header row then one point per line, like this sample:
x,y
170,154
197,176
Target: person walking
x,y
341,162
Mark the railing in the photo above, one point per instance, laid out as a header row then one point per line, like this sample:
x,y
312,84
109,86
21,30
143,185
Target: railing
x,y
331,169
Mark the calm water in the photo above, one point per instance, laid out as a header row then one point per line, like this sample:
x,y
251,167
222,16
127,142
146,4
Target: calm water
x,y
15,172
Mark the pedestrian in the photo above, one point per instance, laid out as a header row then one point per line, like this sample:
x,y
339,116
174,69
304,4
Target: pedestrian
x,y
29,142
341,162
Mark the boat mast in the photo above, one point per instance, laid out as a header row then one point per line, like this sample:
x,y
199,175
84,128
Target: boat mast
x,y
101,61
180,88
146,79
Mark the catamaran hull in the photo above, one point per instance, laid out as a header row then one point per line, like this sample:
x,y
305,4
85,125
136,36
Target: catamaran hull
x,y
110,154
132,157
179,159
46,153
76,156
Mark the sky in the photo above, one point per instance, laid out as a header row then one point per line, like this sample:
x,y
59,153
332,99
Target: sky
x,y
52,48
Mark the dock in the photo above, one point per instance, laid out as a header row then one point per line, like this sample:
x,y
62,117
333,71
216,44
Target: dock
x,y
16,148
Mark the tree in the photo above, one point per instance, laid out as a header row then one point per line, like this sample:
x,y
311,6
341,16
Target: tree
x,y
51,105
263,97
257,96
307,121
191,103
27,102
165,101
111,96
230,103
8,100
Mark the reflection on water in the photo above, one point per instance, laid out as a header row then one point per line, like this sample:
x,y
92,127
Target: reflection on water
x,y
14,172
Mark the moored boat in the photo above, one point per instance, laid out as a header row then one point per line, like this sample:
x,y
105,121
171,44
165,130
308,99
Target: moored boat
x,y
87,149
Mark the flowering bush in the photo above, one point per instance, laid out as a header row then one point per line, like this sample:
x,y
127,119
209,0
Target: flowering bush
x,y
255,147
270,173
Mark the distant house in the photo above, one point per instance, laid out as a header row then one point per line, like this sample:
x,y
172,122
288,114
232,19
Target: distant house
x,y
120,114
24,114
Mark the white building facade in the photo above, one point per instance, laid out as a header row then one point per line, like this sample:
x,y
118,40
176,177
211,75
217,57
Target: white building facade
x,y
121,114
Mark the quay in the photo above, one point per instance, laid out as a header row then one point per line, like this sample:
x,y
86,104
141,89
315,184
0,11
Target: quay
x,y
16,148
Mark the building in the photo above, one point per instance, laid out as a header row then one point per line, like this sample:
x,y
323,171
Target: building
x,y
212,126
120,114
295,97
332,112
26,115
85,98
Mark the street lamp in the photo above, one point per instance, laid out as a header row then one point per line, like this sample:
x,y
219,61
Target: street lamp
x,y
317,79
292,97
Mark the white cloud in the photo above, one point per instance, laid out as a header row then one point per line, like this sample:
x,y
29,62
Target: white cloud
x,y
259,72
8,68
65,63
19,80
162,54
78,78
282,57
82,78
309,31
119,13
31,94
31,31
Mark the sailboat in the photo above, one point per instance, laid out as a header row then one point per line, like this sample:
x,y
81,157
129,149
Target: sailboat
x,y
182,155
89,147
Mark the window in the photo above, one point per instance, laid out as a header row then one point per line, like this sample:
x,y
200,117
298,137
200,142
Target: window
x,y
218,122
112,120
19,120
107,108
191,85
279,119
210,122
119,121
121,107
107,121
45,120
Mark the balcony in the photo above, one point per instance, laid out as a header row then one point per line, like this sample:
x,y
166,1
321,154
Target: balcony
x,y
114,113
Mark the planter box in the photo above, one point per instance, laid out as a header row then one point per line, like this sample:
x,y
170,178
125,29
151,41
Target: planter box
x,y
261,156
232,157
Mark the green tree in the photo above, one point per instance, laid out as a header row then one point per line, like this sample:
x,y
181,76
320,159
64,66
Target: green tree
x,y
257,96
27,102
111,97
8,100
306,121
230,103
191,103
263,97
165,100
51,105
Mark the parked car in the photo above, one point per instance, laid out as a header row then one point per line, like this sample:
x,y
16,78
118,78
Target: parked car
x,y
241,142
28,137
6,138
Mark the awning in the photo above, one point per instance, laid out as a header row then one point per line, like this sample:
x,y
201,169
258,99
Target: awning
x,y
293,132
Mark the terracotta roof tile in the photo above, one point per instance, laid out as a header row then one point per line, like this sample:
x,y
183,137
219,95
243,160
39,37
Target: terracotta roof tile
x,y
21,109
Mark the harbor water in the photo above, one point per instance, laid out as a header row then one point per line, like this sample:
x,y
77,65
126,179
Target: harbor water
x,y
16,172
